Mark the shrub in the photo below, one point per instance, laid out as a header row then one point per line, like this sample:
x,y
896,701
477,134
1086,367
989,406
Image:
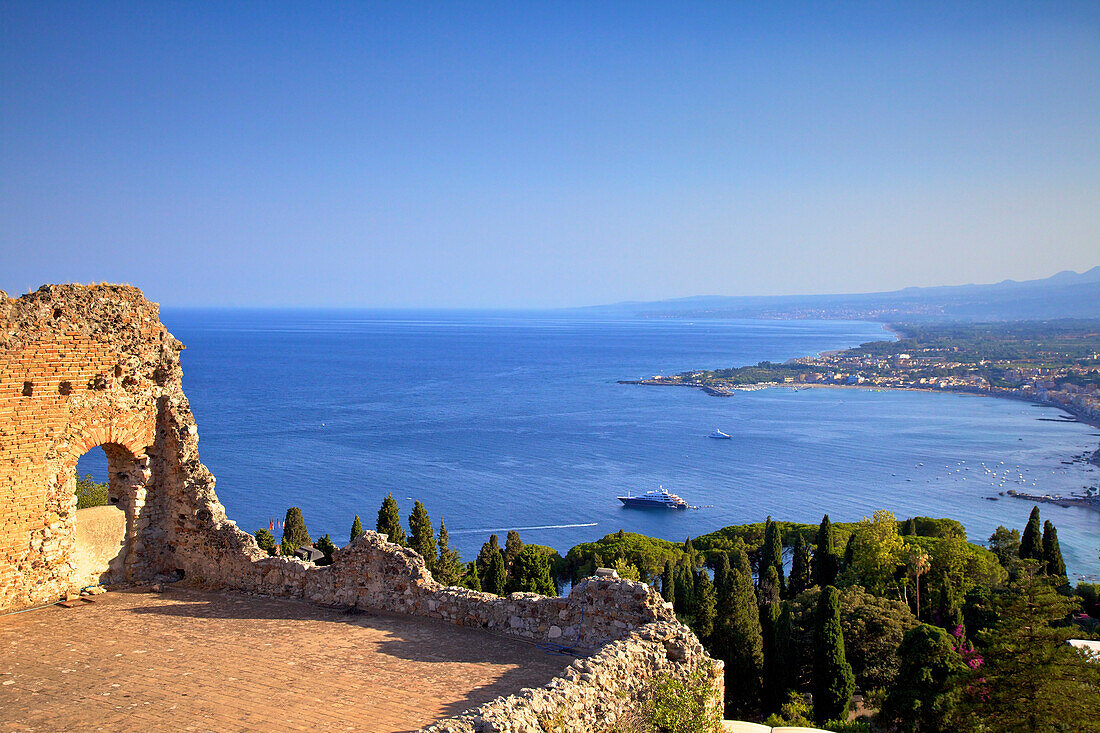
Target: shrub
x,y
682,706
89,493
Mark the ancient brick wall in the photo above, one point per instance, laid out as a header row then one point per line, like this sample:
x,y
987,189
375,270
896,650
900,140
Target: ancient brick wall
x,y
79,368
82,367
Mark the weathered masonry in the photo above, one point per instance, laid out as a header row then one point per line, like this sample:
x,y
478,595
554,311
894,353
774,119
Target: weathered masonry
x,y
83,367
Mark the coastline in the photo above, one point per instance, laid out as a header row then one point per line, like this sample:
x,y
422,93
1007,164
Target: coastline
x,y
1064,501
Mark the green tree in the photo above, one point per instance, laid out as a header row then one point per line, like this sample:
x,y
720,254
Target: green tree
x,y
1053,564
486,554
513,545
800,568
90,493
1005,544
721,575
448,566
389,521
325,545
910,527
684,599
833,681
738,640
706,607
530,573
876,552
949,614
690,554
668,583
625,569
496,577
923,697
1030,679
294,531
471,579
421,535
771,554
265,541
774,689
767,591
1031,543
826,562
356,528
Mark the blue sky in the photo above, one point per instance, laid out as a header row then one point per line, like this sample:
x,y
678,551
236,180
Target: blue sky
x,y
544,154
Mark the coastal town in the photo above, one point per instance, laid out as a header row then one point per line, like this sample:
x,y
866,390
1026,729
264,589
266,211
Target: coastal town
x,y
1050,364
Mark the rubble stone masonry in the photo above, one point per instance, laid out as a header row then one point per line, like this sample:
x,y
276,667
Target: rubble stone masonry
x,y
88,366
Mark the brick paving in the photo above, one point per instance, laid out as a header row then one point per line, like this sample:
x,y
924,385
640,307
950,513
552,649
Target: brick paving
x,y
185,660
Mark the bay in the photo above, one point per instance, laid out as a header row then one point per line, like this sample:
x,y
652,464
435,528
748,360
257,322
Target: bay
x,y
498,420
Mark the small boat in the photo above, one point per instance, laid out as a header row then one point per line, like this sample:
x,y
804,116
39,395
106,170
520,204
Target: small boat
x,y
719,435
659,499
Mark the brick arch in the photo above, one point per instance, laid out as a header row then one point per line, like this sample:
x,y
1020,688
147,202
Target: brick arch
x,y
80,368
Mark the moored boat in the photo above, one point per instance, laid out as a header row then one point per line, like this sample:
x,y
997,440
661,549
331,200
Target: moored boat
x,y
719,435
659,499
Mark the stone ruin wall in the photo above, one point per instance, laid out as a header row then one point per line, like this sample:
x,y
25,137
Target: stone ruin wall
x,y
88,366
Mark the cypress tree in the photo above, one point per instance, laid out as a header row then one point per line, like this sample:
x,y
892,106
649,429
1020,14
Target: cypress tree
x,y
328,547
294,531
768,590
689,553
774,691
833,681
910,527
668,583
826,563
530,573
785,655
389,521
447,567
1031,543
850,550
772,553
721,576
1053,564
800,568
950,613
706,607
739,560
513,545
356,528
495,574
685,589
471,579
486,553
737,640
265,541
421,534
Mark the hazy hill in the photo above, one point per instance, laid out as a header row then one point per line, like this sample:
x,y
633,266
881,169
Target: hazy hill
x,y
1064,295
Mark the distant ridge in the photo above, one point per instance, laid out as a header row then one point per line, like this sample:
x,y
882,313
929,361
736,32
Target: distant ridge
x,y
1067,294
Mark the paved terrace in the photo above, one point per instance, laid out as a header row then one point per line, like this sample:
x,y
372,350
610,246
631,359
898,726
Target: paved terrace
x,y
194,661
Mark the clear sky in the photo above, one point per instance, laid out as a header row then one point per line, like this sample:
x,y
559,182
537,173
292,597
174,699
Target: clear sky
x,y
536,154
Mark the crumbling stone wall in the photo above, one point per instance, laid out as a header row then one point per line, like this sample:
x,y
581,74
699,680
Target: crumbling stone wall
x,y
605,692
82,367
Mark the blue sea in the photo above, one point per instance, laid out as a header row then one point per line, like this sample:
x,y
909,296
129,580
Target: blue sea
x,y
514,420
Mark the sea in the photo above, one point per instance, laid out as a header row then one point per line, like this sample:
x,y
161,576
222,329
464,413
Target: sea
x,y
515,420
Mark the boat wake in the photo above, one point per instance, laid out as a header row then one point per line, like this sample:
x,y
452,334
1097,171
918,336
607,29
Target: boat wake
x,y
491,530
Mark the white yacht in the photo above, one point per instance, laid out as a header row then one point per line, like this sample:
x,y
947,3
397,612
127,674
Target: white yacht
x,y
659,499
719,435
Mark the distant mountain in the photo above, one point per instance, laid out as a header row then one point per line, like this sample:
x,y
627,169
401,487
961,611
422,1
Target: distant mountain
x,y
1067,294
